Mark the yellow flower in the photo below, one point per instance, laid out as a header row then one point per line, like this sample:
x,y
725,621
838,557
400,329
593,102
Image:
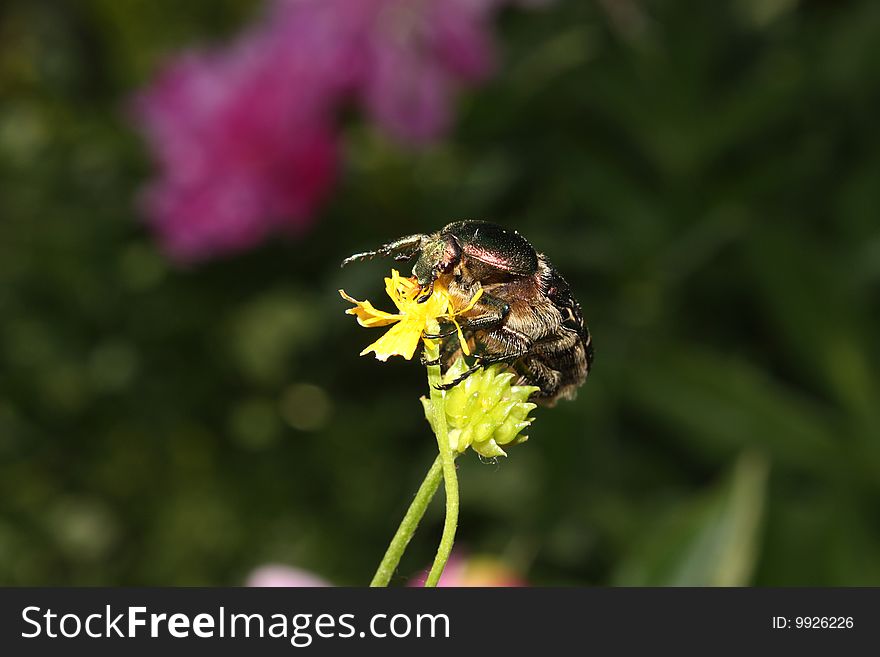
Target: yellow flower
x,y
411,320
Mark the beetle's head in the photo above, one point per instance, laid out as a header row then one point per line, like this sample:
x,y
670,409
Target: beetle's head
x,y
440,255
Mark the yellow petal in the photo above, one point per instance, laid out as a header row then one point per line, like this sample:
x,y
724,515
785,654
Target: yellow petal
x,y
366,314
472,302
402,339
436,305
402,291
464,345
451,316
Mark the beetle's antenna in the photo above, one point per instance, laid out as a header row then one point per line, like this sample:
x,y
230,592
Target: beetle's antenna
x,y
401,249
366,255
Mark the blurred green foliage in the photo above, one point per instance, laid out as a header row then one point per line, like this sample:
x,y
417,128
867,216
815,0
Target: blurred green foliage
x,y
705,175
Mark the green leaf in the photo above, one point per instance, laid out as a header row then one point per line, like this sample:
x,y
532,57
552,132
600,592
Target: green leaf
x,y
720,405
709,541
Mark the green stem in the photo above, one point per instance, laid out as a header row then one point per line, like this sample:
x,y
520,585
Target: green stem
x,y
447,459
408,525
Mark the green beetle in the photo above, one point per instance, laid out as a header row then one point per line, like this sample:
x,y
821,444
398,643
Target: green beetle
x,y
526,317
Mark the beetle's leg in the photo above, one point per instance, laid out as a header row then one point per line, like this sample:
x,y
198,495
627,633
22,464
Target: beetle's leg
x,y
507,344
424,361
444,333
485,361
482,361
534,372
493,311
490,312
400,249
461,377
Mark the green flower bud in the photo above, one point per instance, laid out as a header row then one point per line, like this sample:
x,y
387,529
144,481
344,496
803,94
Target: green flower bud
x,y
484,411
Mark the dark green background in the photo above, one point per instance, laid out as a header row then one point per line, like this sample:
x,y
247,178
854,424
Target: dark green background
x,y
705,174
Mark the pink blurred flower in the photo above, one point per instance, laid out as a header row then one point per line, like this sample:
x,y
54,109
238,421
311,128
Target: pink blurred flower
x,y
474,571
245,148
401,59
246,138
416,54
277,575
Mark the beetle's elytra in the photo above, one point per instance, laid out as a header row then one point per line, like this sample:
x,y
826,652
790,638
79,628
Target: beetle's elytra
x,y
526,317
